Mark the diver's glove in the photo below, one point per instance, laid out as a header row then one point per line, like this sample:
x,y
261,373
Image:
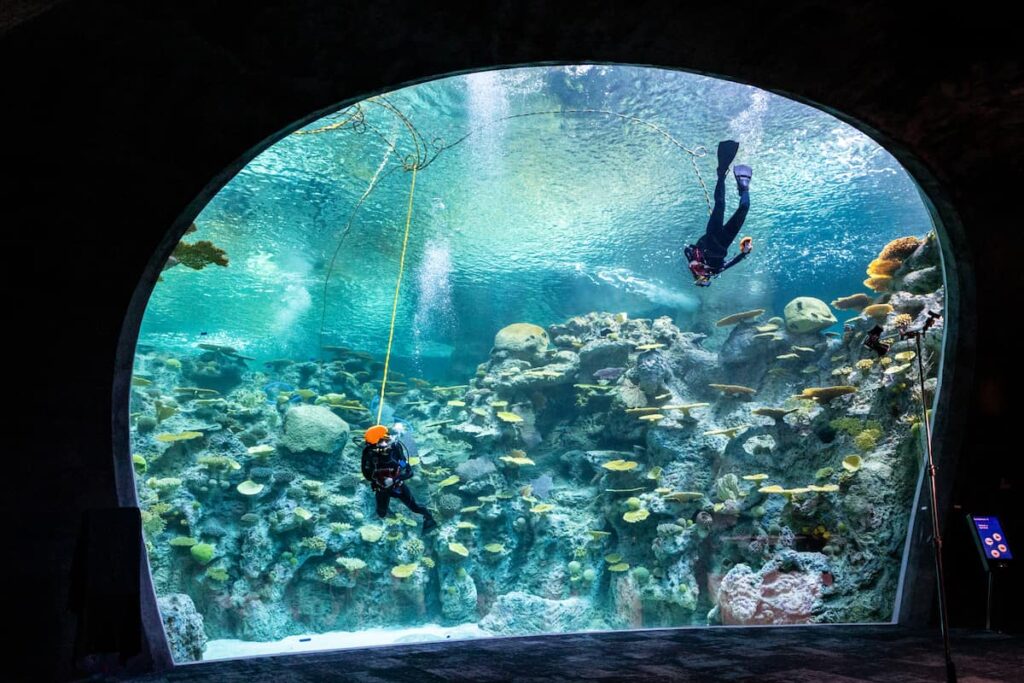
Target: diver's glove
x,y
388,482
747,245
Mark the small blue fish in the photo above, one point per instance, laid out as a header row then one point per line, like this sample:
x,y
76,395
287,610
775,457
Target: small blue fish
x,y
610,374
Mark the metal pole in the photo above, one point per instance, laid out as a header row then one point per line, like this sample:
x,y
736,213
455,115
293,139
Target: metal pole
x,y
988,604
936,533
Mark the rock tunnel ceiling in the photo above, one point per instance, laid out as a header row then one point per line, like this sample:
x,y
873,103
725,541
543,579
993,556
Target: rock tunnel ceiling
x,y
601,443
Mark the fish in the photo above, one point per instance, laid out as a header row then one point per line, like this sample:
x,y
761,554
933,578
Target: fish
x,y
610,374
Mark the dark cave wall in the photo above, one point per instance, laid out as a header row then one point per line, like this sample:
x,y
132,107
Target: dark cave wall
x,y
122,119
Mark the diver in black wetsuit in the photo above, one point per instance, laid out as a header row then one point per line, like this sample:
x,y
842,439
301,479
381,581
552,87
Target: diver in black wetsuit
x,y
385,465
706,259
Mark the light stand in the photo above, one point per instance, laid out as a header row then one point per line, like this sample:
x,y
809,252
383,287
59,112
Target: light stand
x,y
933,490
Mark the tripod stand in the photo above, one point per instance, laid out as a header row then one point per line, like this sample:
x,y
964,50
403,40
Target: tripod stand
x,y
916,335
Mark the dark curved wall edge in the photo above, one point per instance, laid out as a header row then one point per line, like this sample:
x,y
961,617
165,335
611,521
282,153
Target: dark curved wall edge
x,y
120,115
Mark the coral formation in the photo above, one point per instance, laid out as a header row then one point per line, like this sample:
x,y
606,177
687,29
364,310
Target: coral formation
x,y
581,476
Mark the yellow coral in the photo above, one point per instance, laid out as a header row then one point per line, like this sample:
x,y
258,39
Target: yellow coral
x,y
755,477
685,408
542,508
900,248
877,311
883,267
517,460
683,496
620,567
634,516
506,416
371,534
740,317
826,394
454,479
727,433
854,302
879,283
494,548
404,571
852,463
733,389
458,549
181,436
619,465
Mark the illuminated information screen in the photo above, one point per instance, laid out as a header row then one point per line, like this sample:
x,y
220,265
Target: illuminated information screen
x,y
993,540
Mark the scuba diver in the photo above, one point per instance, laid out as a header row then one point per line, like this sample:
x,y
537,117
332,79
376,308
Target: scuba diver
x,y
706,259
386,466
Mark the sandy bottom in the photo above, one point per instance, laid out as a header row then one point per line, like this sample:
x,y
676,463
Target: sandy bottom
x,y
339,640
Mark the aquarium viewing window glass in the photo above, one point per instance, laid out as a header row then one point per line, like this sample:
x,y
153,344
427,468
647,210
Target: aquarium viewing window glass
x,y
606,435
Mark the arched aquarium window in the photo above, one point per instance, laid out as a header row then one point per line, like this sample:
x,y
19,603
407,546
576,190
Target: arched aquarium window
x,y
537,280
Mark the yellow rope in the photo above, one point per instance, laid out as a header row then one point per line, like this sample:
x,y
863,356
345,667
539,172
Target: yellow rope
x,y
394,305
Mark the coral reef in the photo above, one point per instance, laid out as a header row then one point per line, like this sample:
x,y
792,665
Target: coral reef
x,y
606,471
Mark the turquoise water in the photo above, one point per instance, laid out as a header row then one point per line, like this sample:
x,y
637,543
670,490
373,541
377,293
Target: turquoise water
x,y
536,218
545,194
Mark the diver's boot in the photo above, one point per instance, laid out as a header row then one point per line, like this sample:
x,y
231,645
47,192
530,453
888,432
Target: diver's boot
x,y
429,524
726,153
743,175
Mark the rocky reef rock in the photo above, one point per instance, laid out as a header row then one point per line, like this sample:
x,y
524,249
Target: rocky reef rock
x,y
458,596
806,314
923,281
313,428
773,595
603,354
520,613
521,340
215,370
184,627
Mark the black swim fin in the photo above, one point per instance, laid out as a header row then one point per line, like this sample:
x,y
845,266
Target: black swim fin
x,y
726,153
743,175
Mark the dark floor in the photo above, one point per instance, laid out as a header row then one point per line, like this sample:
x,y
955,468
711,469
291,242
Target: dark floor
x,y
793,654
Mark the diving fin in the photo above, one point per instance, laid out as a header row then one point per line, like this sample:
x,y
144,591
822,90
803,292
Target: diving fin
x,y
743,175
726,153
